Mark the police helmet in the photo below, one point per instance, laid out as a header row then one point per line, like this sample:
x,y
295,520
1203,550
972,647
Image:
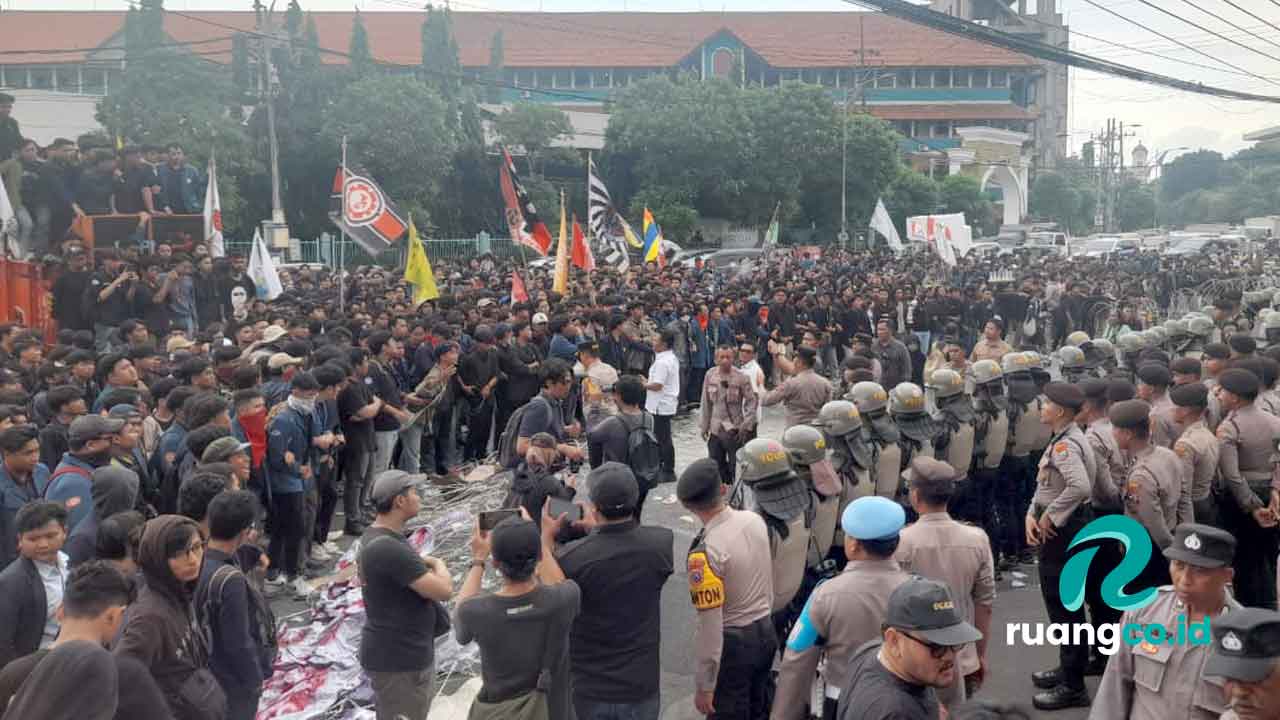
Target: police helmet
x,y
1157,336
986,371
1014,363
1077,338
762,458
805,444
1200,326
1131,343
906,399
1104,348
945,383
1175,329
839,418
869,397
1071,357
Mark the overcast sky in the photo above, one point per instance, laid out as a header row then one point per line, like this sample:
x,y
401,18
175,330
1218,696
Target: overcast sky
x,y
1168,118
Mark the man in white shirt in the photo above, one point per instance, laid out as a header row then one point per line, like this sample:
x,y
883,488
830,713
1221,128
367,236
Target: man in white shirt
x,y
662,399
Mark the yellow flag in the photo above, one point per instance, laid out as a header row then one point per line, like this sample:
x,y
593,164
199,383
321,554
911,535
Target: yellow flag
x,y
560,283
417,269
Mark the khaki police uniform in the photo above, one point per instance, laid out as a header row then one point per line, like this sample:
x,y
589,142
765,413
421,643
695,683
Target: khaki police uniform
x,y
1247,444
1111,476
731,587
1160,682
1064,486
1151,497
1165,431
958,555
1198,450
845,611
801,396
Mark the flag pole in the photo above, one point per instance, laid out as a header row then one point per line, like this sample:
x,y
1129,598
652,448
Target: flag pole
x,y
342,235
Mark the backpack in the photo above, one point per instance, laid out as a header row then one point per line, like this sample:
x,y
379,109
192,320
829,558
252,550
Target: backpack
x,y
507,456
262,624
643,452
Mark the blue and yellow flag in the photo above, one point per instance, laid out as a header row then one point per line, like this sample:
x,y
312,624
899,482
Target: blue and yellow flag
x,y
652,240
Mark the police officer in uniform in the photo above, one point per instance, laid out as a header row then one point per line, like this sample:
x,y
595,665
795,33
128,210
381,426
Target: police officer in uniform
x,y
1102,354
731,587
1075,366
975,498
1185,371
955,553
882,436
1247,443
955,413
1197,448
786,506
1016,471
1214,362
807,449
1246,647
1178,336
1154,486
1059,510
1150,681
843,612
918,433
1271,330
1131,346
1200,332
1153,387
841,423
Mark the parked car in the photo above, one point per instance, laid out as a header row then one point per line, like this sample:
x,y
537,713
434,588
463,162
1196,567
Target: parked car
x,y
1196,245
1103,247
729,258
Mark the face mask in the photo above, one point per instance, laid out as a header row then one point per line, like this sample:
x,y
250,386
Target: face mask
x,y
302,405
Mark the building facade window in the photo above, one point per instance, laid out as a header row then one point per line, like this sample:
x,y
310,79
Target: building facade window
x,y
562,78
621,78
771,78
960,78
67,78
582,78
942,78
602,79
722,62
999,78
905,79
924,79
41,78
543,78
886,80
979,78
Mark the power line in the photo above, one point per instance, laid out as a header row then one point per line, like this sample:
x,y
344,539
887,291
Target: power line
x,y
1179,42
1233,25
1152,5
1035,48
1252,15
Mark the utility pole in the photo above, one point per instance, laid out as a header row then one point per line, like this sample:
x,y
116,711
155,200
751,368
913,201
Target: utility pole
x,y
276,231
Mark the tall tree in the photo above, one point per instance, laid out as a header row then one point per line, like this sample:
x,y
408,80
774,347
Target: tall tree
x,y
493,74
910,194
533,127
1193,171
309,47
361,60
440,65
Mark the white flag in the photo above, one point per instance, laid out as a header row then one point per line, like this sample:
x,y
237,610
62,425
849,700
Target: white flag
x,y
263,270
881,223
213,212
8,226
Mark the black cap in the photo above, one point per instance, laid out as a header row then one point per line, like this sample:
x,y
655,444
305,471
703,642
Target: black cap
x,y
1120,390
516,542
1243,344
1246,644
927,473
926,608
589,346
1129,414
612,488
1093,389
1201,545
1190,395
1065,395
1155,375
1240,382
1185,366
699,483
1217,351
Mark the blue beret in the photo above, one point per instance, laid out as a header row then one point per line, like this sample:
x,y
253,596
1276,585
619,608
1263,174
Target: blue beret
x,y
873,518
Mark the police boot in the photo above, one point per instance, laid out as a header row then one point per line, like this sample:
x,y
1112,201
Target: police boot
x,y
1047,679
1060,698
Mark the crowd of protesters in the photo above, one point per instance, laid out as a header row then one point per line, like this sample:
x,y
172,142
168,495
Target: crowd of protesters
x,y
179,452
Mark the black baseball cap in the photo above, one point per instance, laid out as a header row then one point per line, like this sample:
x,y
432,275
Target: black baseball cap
x,y
612,488
1246,645
1201,545
926,608
516,541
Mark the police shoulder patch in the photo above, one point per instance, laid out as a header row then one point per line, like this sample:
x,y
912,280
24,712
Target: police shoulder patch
x,y
1061,450
706,589
1182,449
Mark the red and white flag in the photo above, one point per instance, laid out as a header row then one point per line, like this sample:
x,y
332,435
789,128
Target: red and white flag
x,y
581,253
364,212
213,212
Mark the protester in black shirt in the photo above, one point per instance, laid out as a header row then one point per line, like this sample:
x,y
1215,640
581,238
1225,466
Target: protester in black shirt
x,y
387,423
96,188
477,375
402,592
137,183
111,295
621,568
208,294
69,291
357,406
